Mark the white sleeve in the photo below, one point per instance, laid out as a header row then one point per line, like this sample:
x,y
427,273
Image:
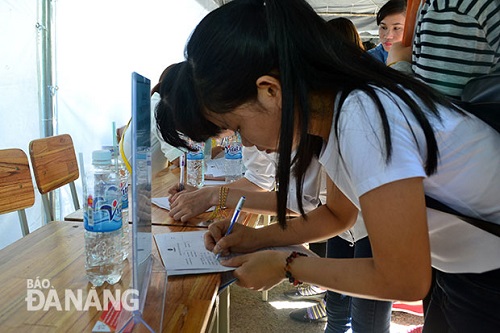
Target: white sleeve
x,y
362,142
261,167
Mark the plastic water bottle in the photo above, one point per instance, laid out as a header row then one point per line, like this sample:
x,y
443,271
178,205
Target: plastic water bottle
x,y
208,150
196,164
118,163
233,161
102,220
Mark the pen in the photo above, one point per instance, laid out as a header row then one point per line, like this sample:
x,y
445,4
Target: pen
x,y
236,213
182,163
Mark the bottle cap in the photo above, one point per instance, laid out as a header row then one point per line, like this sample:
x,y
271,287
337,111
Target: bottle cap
x,y
101,157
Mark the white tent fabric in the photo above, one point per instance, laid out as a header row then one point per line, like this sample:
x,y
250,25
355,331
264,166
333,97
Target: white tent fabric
x,y
19,122
98,44
361,12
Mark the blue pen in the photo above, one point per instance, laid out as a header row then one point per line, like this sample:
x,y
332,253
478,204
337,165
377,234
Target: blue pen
x,y
236,213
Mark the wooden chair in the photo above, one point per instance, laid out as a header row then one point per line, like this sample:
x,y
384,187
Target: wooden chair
x,y
16,185
54,165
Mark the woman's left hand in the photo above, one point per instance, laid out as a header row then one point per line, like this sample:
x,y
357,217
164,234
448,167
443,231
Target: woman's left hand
x,y
260,270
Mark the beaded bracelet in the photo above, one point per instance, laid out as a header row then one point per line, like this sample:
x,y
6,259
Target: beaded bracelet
x,y
219,209
289,260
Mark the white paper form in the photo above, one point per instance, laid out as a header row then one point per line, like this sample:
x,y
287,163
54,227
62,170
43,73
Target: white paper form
x,y
185,253
164,203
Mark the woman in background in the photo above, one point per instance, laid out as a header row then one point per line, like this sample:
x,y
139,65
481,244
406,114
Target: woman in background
x,y
391,25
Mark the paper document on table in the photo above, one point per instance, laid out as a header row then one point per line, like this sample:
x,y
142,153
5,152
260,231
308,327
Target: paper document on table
x,y
164,203
215,167
185,253
216,171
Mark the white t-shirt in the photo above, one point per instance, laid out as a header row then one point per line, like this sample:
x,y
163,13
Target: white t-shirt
x,y
261,170
468,177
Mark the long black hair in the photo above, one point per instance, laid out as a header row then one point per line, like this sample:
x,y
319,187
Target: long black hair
x,y
243,40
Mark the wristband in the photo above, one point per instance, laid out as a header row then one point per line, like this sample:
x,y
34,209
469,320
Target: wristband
x,y
288,261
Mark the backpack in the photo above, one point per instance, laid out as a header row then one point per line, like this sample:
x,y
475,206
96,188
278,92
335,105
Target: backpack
x,y
481,97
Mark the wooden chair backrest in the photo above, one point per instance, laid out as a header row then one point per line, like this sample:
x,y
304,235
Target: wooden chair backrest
x,y
54,162
16,184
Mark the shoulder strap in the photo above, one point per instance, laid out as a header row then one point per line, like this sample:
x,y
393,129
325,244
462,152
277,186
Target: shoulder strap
x,y
486,226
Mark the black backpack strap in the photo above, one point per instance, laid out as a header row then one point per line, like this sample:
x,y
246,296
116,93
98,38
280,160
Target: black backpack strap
x,y
486,226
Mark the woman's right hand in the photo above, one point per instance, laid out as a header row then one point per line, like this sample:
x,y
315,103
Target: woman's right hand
x,y
242,239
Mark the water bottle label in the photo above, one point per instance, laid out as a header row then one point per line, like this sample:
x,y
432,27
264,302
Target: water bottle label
x,y
198,153
233,152
102,215
195,156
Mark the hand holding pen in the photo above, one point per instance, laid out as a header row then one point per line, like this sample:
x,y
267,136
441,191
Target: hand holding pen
x,y
236,213
182,164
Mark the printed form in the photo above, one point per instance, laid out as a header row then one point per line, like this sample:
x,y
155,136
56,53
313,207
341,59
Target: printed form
x,y
185,253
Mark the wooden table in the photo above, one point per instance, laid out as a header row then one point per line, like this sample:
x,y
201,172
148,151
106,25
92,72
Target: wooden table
x,y
55,253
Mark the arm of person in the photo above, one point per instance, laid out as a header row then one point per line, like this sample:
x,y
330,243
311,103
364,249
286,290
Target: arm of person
x,y
399,58
187,204
395,217
319,224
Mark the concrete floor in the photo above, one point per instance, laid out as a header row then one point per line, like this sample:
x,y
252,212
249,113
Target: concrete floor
x,y
249,314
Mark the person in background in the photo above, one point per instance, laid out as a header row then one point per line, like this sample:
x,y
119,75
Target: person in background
x,y
257,186
454,41
389,140
344,27
391,25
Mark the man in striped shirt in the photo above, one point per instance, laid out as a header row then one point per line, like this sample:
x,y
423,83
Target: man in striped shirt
x,y
454,41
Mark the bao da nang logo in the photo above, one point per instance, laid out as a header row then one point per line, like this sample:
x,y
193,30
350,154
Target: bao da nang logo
x,y
42,296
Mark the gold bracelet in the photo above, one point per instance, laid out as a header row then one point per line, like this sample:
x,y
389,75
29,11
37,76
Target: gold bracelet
x,y
223,192
219,209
